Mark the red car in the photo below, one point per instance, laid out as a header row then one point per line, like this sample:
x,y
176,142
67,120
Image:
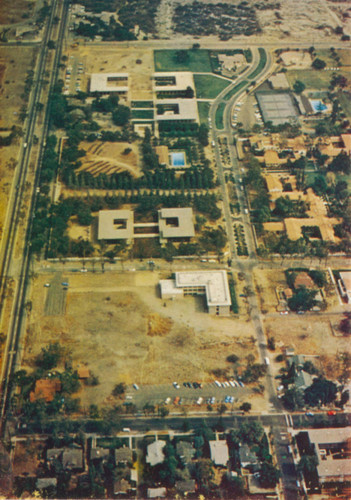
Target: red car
x,y
331,413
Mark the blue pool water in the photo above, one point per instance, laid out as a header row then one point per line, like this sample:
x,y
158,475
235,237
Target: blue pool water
x,y
318,105
178,159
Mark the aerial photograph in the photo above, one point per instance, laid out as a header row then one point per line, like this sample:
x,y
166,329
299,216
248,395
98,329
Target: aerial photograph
x,y
175,249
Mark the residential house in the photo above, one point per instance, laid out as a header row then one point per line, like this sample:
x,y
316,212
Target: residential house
x,y
45,482
185,451
71,458
185,487
247,457
156,492
219,452
45,389
99,454
155,453
121,487
123,455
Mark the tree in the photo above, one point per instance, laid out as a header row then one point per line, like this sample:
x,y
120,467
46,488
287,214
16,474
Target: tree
x,y
322,391
307,464
189,92
299,87
121,116
51,44
345,325
234,486
49,356
181,56
119,389
232,358
318,64
163,411
84,216
341,163
204,472
269,475
302,300
203,135
245,407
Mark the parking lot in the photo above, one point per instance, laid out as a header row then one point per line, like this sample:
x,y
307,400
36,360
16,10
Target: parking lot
x,y
168,394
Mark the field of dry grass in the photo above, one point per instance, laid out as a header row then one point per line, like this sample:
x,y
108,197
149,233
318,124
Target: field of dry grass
x,y
109,158
118,326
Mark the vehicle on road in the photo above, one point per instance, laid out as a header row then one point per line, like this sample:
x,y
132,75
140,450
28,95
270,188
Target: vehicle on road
x,y
136,387
64,283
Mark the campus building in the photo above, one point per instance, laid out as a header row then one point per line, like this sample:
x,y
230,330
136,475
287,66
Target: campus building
x,y
212,284
176,224
332,447
109,83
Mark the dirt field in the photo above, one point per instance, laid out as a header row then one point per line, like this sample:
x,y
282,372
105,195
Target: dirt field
x,y
12,12
119,327
312,335
14,63
266,282
108,158
137,62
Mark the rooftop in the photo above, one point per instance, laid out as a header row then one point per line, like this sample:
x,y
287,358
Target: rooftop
x,y
219,452
45,389
177,81
215,283
178,109
109,82
346,279
115,224
176,223
329,435
155,453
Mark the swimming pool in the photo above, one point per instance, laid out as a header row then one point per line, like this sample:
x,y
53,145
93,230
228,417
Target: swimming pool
x,y
178,159
317,105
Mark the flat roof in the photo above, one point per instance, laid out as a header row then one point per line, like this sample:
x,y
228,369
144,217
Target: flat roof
x,y
215,283
329,435
116,225
335,468
182,228
187,110
346,279
183,79
277,107
99,82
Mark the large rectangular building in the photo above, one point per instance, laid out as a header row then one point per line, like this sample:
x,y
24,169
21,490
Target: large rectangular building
x,y
277,107
109,83
212,284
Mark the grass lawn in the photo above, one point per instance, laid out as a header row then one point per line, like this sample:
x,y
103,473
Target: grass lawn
x,y
261,64
208,86
345,102
142,113
203,109
219,116
313,79
199,61
235,90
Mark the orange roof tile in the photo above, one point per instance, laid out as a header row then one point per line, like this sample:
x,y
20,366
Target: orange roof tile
x,y
45,389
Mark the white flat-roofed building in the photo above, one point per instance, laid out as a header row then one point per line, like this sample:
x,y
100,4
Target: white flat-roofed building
x,y
175,223
177,109
345,285
116,225
212,284
107,83
179,81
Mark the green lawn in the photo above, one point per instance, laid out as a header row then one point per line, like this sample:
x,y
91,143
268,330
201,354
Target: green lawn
x,y
345,102
235,89
219,116
203,109
261,64
198,62
313,79
208,86
143,113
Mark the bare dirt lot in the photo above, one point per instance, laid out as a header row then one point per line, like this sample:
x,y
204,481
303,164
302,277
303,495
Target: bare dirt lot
x,y
311,335
137,62
12,12
118,326
14,63
110,157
